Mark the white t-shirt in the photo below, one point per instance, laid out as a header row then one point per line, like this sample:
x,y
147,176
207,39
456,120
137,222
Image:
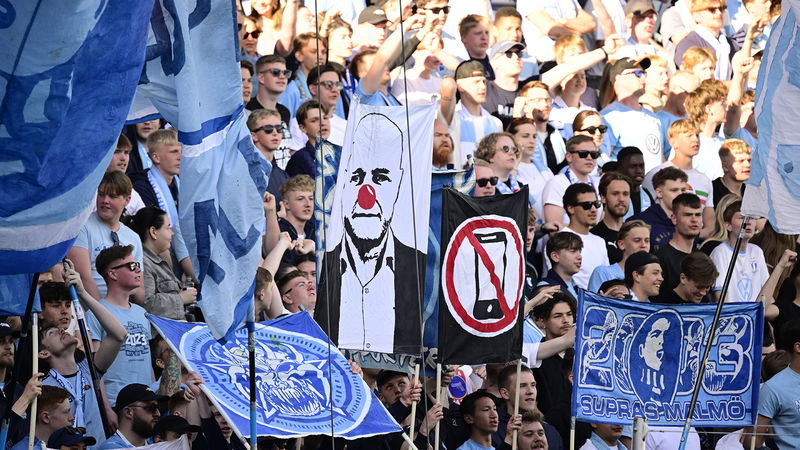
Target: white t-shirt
x,y
528,173
749,274
419,89
707,159
697,184
629,127
594,255
538,42
553,194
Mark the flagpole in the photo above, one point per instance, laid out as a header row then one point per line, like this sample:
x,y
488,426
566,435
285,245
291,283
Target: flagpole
x,y
516,404
711,334
35,402
414,403
438,400
12,385
572,433
87,349
251,350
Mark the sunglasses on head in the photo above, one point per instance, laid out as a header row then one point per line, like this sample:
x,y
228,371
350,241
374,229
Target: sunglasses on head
x,y
133,266
482,182
592,130
254,34
331,84
270,128
588,205
278,72
585,153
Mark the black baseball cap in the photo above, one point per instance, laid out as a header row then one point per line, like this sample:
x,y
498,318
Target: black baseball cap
x,y
174,423
624,64
373,15
136,392
636,261
69,436
470,68
6,330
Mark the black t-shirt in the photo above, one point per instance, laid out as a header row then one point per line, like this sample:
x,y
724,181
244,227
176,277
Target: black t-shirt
x,y
709,246
500,102
720,190
671,259
254,104
610,236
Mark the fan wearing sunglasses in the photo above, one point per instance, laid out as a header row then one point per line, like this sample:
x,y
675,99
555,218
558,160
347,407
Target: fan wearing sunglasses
x,y
132,365
627,79
582,205
590,123
266,129
485,179
501,151
581,158
272,77
325,84
709,16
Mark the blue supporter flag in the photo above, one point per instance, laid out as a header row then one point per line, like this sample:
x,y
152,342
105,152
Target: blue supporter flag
x,y
636,359
301,378
64,102
773,189
192,78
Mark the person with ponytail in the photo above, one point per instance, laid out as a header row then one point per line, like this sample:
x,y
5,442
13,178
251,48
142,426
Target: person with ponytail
x,y
164,294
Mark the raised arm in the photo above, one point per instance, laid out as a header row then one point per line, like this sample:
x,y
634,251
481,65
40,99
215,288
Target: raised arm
x,y
554,76
386,53
83,264
288,22
270,238
766,295
742,64
115,332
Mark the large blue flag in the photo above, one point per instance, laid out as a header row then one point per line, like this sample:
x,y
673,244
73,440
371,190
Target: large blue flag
x,y
68,71
299,390
635,359
773,189
192,77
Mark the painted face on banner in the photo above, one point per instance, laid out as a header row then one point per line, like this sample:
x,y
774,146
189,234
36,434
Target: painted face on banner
x,y
373,177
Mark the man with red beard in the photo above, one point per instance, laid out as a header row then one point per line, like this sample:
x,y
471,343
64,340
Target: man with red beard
x,y
442,145
137,410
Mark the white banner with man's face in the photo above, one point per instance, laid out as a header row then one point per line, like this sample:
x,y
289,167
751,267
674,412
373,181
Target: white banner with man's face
x,y
374,265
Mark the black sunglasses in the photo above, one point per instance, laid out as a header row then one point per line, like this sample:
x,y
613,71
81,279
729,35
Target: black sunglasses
x,y
133,266
511,53
270,128
444,9
482,182
278,72
593,130
585,153
255,34
588,205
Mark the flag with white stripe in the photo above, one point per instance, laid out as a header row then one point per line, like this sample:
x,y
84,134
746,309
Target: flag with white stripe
x,y
192,77
773,190
64,102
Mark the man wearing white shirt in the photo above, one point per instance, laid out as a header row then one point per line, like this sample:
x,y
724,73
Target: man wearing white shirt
x,y
582,157
582,205
547,20
684,138
709,16
628,123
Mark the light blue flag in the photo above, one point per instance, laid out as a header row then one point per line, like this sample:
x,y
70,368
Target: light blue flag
x,y
192,78
298,388
636,359
68,71
773,189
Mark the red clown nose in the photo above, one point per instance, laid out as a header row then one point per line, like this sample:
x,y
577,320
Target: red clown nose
x,y
366,197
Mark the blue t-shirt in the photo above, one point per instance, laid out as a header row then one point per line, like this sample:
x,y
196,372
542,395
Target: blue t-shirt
x,y
637,128
601,274
472,445
23,444
96,237
114,442
85,399
780,402
132,365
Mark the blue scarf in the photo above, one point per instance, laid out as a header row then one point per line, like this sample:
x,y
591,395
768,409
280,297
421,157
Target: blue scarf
x,y
167,203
